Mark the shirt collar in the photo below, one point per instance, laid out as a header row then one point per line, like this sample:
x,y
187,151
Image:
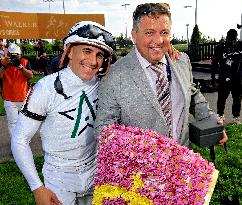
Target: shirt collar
x,y
75,78
144,63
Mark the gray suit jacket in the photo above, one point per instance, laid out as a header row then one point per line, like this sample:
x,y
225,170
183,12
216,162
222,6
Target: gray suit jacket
x,y
126,97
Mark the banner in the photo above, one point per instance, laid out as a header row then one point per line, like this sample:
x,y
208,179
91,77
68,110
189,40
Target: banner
x,y
16,25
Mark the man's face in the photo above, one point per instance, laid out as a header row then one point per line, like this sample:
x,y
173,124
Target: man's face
x,y
1,46
85,60
152,38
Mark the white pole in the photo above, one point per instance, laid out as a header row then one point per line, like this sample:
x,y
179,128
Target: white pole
x,y
125,6
64,6
196,13
187,25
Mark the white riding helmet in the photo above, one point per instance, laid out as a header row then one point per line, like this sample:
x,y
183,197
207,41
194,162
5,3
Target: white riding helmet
x,y
13,48
90,33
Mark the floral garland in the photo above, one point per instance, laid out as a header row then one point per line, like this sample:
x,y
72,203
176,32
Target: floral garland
x,y
138,166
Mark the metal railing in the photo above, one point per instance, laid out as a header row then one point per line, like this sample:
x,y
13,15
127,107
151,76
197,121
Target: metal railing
x,y
198,52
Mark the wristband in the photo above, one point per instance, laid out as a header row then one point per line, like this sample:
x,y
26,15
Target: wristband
x,y
20,67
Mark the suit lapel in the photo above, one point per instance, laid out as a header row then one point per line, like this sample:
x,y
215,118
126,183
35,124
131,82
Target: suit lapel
x,y
176,70
142,82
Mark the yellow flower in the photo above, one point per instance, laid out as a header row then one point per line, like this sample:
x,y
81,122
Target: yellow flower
x,y
121,169
133,153
113,192
198,197
169,193
204,175
184,200
154,147
138,183
167,150
145,143
153,156
201,185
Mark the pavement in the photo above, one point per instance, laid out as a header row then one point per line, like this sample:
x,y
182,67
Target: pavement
x,y
5,151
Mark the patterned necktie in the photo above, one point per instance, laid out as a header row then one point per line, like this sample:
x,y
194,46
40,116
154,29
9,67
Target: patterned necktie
x,y
163,93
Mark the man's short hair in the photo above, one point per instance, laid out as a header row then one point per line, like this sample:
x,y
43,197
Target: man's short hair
x,y
150,9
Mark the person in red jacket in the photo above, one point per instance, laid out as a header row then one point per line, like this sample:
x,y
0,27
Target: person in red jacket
x,y
15,73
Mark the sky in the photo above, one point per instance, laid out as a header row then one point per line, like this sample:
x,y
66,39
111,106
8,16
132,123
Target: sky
x,y
214,17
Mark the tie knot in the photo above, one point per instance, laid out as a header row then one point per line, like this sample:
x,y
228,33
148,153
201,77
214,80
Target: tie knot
x,y
161,64
159,68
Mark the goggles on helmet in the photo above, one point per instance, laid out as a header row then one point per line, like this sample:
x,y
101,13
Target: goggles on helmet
x,y
93,32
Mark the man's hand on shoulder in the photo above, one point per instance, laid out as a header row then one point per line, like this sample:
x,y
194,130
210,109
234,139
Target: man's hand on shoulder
x,y
173,53
44,196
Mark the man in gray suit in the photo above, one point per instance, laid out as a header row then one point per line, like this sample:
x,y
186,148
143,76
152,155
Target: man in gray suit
x,y
129,93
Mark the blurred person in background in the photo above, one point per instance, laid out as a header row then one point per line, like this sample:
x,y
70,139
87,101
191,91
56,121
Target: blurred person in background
x,y
3,53
42,58
227,62
15,73
3,50
55,63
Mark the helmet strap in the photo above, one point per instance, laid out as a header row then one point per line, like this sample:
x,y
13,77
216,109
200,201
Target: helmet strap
x,y
59,88
64,55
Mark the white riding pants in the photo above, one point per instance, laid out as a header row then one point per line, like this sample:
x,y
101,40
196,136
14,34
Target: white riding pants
x,y
12,109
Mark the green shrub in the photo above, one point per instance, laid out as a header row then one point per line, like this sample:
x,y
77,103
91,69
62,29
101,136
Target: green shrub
x,y
48,48
28,49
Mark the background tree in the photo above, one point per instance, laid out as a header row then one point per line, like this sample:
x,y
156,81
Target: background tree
x,y
196,35
222,39
176,40
57,46
122,42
